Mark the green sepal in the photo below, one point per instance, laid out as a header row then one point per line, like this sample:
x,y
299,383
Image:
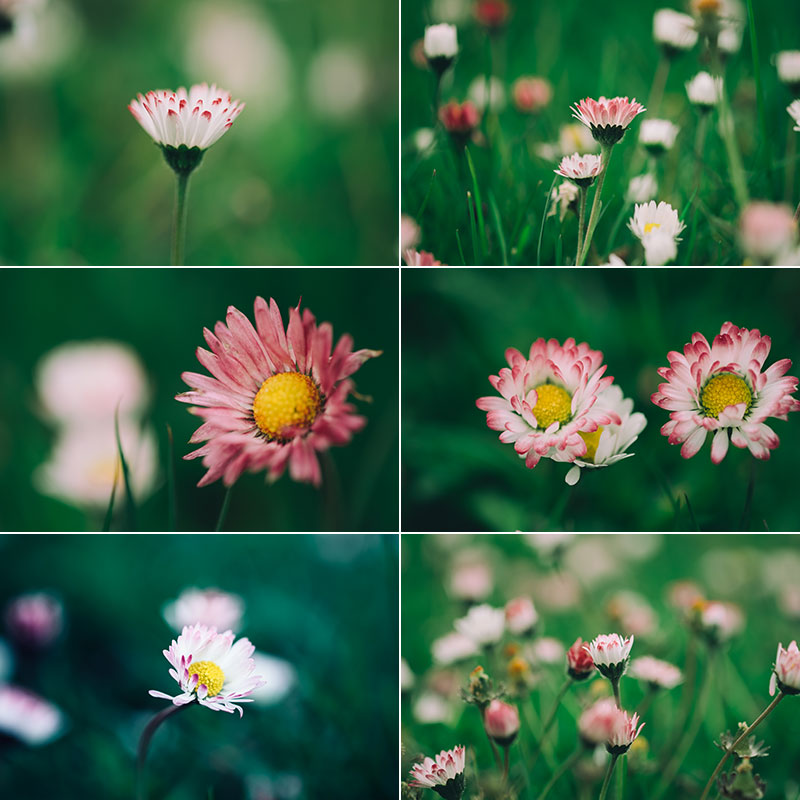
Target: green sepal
x,y
182,159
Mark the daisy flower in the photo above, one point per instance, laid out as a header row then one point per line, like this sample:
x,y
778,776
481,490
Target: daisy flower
x,y
607,445
184,124
483,624
35,620
608,119
767,230
211,669
656,673
531,94
444,774
210,607
786,675
721,389
27,717
610,653
521,615
794,113
581,169
453,647
548,400
642,188
704,91
501,722
674,31
579,661
597,723
561,198
624,731
657,227
717,621
657,135
441,42
787,63
459,119
277,396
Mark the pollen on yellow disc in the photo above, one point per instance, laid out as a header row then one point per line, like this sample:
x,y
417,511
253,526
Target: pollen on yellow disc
x,y
723,390
592,440
285,401
553,405
210,674
651,226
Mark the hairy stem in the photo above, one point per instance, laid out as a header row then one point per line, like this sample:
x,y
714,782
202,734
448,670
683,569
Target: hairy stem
x,y
607,780
593,217
144,746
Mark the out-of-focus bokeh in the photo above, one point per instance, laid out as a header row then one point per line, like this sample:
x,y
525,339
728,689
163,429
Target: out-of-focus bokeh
x,y
56,474
457,325
331,693
306,175
652,586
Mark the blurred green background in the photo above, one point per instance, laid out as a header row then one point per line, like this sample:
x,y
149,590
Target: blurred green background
x,y
574,593
306,175
457,325
161,314
589,51
302,594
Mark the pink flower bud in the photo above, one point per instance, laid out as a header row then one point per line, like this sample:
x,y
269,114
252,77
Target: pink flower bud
x,y
579,661
787,670
502,722
521,615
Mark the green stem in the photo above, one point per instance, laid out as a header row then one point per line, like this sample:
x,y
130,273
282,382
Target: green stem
x,y
583,190
505,765
563,767
607,781
659,82
615,688
223,512
179,224
764,714
551,719
605,157
144,746
622,774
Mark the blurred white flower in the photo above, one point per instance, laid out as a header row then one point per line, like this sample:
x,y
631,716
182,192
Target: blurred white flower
x,y
521,615
35,620
441,41
471,576
431,708
787,63
547,650
704,91
766,230
561,198
576,138
210,607
239,46
730,38
591,561
424,139
407,677
633,613
496,94
483,624
84,460
279,676
338,81
29,718
83,382
642,188
659,249
658,674
452,647
673,30
657,135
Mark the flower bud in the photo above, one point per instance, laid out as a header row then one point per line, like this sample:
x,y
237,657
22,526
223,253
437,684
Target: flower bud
x,y
579,661
34,621
521,616
786,674
501,721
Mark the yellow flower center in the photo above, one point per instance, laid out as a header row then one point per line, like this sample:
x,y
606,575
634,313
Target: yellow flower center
x,y
210,674
651,226
592,440
285,401
553,405
723,390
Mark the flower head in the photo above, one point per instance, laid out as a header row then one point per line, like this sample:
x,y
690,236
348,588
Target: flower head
x,y
579,661
483,624
35,620
453,647
420,258
209,607
279,678
521,615
787,63
656,673
581,169
444,774
27,717
471,577
548,401
187,122
501,721
657,227
767,230
608,119
794,113
441,41
721,389
674,31
624,731
657,135
704,91
211,669
531,94
460,119
564,196
607,445
487,94
277,395
786,674
492,14
604,723
610,653
642,188
716,621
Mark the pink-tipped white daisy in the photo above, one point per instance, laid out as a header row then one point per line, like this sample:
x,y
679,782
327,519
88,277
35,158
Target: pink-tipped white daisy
x,y
608,444
211,669
548,400
656,673
187,122
277,396
210,607
794,113
581,169
624,731
608,119
786,674
29,718
610,653
721,389
444,774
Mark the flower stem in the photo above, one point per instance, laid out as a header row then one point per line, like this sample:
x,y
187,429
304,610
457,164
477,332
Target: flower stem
x,y
179,224
563,767
584,190
605,157
552,716
223,512
144,746
505,765
615,688
659,82
607,781
495,753
764,714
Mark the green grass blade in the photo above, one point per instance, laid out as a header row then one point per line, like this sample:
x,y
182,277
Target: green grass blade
x,y
172,505
544,217
460,248
498,225
762,116
130,503
691,512
223,512
110,510
476,260
478,206
427,195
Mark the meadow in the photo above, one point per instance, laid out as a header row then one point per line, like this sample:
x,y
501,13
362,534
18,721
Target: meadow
x,y
478,185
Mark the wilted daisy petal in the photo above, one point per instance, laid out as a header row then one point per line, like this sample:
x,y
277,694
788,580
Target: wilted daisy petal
x,y
277,395
211,669
721,389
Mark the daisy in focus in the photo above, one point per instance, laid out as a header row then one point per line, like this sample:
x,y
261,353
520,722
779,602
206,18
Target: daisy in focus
x,y
582,170
608,119
444,774
548,403
211,669
721,389
277,396
607,445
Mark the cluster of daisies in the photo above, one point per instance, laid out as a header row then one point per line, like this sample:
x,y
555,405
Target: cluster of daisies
x,y
767,233
557,402
510,637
